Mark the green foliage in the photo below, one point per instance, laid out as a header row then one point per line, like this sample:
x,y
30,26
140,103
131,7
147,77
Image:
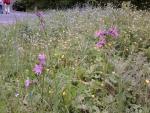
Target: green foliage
x,y
61,4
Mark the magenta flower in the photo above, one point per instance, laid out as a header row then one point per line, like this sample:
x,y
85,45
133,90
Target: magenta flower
x,y
27,83
101,43
38,69
100,33
113,31
42,58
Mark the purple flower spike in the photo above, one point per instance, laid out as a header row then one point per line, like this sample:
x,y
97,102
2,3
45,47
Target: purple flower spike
x,y
101,43
42,58
113,31
38,69
100,33
27,83
40,15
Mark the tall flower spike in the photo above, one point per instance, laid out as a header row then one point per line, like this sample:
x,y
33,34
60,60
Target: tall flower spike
x,y
40,15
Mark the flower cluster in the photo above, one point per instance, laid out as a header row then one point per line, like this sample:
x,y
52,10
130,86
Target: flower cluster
x,y
101,34
38,68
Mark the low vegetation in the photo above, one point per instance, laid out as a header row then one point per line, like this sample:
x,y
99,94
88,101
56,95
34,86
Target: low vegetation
x,y
55,64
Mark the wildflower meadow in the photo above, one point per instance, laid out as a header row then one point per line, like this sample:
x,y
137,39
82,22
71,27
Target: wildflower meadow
x,y
80,60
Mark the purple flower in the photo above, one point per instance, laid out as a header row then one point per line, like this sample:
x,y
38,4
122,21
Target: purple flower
x,y
101,43
42,58
113,31
38,69
100,33
39,14
27,83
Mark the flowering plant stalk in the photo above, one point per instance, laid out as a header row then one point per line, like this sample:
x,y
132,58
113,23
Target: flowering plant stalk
x,y
42,56
40,66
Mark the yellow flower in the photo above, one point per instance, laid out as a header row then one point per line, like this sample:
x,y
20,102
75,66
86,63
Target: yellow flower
x,y
62,56
65,42
64,93
109,44
113,72
147,81
51,92
101,72
102,84
93,96
47,70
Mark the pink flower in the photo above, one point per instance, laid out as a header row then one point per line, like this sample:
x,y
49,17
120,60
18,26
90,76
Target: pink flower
x,y
27,83
42,58
38,69
101,43
100,33
113,31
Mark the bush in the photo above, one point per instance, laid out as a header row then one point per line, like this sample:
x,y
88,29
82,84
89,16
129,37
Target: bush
x,y
19,6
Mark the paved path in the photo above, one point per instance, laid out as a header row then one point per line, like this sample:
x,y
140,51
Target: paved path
x,y
15,16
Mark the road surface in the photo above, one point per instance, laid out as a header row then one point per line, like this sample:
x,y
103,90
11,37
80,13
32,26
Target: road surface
x,y
15,16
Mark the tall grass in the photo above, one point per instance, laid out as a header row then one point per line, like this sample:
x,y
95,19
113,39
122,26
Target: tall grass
x,y
77,77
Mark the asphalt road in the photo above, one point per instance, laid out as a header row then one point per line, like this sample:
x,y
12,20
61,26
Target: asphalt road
x,y
15,16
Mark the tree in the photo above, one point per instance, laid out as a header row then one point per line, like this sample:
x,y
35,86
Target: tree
x,y
41,4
